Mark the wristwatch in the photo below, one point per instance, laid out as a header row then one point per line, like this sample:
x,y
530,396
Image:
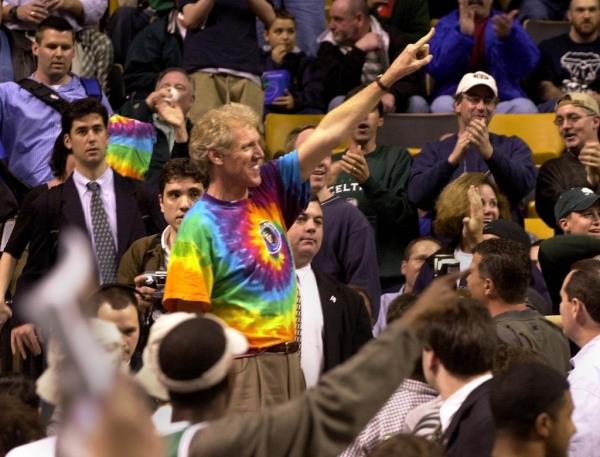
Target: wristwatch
x,y
382,86
12,14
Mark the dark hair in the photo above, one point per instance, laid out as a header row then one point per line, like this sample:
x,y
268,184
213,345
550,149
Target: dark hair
x,y
463,337
118,296
81,108
399,306
406,445
17,385
290,141
57,23
411,245
507,263
181,357
181,168
357,89
19,424
507,356
522,393
584,285
281,13
58,159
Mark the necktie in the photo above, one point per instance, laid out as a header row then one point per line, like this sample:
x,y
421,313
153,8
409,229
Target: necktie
x,y
103,239
429,426
298,314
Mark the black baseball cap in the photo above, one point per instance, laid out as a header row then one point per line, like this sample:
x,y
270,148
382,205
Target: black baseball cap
x,y
575,199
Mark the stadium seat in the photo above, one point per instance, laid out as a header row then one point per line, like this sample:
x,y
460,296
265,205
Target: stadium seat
x,y
413,131
112,6
537,130
538,227
278,127
540,30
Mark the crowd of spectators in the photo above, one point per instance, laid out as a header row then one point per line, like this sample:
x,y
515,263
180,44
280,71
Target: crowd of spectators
x,y
354,300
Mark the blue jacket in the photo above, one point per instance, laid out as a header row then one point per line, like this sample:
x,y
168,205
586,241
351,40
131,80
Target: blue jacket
x,y
508,59
511,166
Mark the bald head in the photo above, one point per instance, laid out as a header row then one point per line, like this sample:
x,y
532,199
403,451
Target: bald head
x,y
348,21
357,6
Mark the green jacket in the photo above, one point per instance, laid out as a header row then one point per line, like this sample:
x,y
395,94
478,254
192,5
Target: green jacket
x,y
530,330
145,254
556,256
383,200
324,420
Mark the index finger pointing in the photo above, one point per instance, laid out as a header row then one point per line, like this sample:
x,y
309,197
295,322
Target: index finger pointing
x,y
425,39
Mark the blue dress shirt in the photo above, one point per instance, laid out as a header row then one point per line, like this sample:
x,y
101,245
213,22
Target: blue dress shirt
x,y
29,128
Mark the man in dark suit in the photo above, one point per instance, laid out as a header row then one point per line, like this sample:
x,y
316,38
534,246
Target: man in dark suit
x,y
334,320
457,362
108,207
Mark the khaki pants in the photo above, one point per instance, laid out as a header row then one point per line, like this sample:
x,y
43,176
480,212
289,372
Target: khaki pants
x,y
214,90
264,380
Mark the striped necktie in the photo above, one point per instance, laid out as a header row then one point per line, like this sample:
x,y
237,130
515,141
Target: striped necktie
x,y
106,253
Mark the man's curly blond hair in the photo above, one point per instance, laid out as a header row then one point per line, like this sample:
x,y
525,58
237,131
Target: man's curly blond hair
x,y
214,130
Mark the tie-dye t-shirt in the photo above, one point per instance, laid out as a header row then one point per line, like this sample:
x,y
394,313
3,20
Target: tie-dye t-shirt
x,y
234,259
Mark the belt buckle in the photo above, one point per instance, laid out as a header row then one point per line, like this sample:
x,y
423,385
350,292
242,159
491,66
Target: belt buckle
x,y
290,347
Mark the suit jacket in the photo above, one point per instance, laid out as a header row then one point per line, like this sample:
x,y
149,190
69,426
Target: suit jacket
x,y
130,225
346,323
42,249
471,431
325,419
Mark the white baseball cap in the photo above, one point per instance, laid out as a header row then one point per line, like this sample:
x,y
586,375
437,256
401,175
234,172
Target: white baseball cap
x,y
479,78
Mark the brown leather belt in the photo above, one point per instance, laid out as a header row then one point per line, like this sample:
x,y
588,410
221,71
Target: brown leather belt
x,y
290,347
286,348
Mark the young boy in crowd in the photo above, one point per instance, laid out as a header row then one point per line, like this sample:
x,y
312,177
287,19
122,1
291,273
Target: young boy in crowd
x,y
304,92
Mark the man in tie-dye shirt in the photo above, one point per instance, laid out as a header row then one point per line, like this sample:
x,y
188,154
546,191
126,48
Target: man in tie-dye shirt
x,y
232,257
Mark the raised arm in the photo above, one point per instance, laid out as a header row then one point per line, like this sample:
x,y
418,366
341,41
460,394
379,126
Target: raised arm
x,y
263,10
195,14
328,417
73,7
338,124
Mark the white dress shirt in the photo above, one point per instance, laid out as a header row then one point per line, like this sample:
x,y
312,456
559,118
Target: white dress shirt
x,y
464,258
584,381
109,201
46,447
311,353
455,401
165,246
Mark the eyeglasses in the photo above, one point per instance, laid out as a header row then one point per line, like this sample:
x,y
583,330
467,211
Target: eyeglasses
x,y
570,118
476,100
